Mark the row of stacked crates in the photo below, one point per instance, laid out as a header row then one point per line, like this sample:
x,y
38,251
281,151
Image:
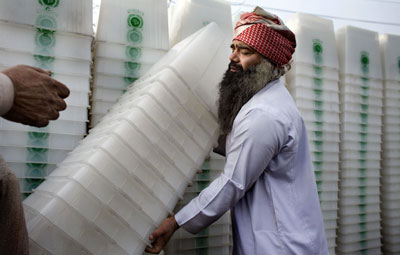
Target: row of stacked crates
x,y
390,171
351,110
56,36
131,36
313,83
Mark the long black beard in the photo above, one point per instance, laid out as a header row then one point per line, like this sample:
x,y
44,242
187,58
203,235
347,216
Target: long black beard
x,y
236,89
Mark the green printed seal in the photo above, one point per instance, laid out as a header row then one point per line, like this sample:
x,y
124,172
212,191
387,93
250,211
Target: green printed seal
x,y
49,3
36,169
133,52
46,21
132,66
44,62
135,21
364,60
318,49
38,139
398,63
45,38
37,154
134,36
129,80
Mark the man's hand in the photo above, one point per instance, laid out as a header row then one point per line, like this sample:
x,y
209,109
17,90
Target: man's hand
x,y
160,237
37,97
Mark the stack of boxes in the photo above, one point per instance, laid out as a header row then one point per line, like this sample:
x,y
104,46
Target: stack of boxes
x,y
215,239
127,175
390,172
131,37
56,36
313,83
361,129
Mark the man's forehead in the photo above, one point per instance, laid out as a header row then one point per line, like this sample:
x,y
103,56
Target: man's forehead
x,y
240,44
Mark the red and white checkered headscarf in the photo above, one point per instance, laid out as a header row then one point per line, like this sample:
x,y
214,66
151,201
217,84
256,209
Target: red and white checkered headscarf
x,y
267,34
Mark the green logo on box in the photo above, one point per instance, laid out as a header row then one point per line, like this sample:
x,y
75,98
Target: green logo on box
x,y
45,38
134,36
49,3
318,49
133,52
129,80
364,60
135,21
46,21
132,66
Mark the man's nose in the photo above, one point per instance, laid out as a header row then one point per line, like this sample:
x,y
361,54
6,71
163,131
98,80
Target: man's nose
x,y
234,57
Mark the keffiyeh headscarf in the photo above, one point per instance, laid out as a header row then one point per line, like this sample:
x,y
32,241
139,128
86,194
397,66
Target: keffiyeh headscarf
x,y
267,34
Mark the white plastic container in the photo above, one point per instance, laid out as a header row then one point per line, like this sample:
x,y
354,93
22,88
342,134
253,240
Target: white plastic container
x,y
75,113
359,191
321,126
73,82
127,52
362,128
190,16
362,137
313,71
42,42
358,51
310,82
390,52
38,140
78,98
33,155
317,104
356,89
108,95
361,218
320,116
201,77
362,118
120,68
68,16
31,170
315,39
331,138
59,126
59,65
139,23
313,94
368,82
362,108
112,81
357,146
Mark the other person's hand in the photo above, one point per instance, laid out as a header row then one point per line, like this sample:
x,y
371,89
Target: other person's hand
x,y
160,237
38,98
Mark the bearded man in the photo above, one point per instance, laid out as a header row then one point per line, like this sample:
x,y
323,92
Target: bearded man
x,y
268,180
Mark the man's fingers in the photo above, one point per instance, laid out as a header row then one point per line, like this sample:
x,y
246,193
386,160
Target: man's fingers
x,y
62,90
47,72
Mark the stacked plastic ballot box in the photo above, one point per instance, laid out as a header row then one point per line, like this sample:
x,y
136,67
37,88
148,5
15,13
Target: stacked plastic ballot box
x,y
188,16
215,239
56,36
360,159
131,36
313,83
127,175
390,171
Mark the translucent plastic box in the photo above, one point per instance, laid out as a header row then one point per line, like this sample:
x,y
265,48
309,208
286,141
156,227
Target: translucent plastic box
x,y
73,16
44,42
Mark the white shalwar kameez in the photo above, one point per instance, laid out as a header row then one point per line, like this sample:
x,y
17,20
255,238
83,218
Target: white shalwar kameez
x,y
268,182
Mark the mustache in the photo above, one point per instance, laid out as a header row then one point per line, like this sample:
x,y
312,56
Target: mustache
x,y
234,65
